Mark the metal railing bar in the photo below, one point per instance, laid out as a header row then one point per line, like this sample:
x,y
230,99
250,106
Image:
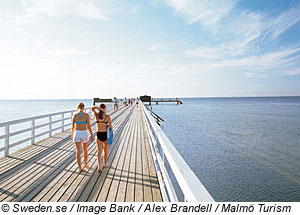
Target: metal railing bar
x,y
41,134
54,129
2,149
42,125
34,117
19,142
3,136
20,132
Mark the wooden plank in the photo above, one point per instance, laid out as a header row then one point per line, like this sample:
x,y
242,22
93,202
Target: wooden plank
x,y
62,185
109,188
73,188
23,165
146,178
24,173
51,184
94,195
130,189
156,193
29,194
14,172
139,191
121,193
29,152
46,192
22,182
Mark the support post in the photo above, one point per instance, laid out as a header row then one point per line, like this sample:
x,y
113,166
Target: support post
x,y
32,131
6,151
63,122
50,126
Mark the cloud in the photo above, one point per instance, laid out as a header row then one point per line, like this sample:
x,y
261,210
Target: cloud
x,y
254,75
283,22
158,47
255,66
66,52
205,12
292,72
239,37
208,53
279,59
36,9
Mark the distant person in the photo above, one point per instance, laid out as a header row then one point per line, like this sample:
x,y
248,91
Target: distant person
x,y
103,121
116,107
137,102
80,126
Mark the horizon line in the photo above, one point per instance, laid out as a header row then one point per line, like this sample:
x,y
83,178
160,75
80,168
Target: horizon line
x,y
195,97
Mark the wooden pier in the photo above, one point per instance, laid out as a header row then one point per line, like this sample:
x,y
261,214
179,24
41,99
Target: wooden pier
x,y
176,100
142,161
149,100
48,171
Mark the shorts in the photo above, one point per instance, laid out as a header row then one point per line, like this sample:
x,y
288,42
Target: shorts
x,y
81,136
102,136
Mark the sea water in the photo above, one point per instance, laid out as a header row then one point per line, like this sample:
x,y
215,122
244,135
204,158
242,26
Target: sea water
x,y
241,149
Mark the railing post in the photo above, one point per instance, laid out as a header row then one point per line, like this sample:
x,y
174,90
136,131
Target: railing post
x,y
33,131
50,126
63,122
6,151
72,114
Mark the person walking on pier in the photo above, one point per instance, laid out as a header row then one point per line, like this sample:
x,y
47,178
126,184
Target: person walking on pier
x,y
137,102
80,127
115,104
103,121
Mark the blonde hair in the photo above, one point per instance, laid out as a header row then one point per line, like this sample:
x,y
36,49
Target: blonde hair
x,y
80,106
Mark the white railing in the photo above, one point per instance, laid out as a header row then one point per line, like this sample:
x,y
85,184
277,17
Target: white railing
x,y
167,159
47,126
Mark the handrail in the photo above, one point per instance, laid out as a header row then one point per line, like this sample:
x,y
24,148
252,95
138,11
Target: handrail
x,y
33,128
158,118
164,152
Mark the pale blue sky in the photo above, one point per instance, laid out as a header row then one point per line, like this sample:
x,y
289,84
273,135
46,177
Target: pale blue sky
x,y
56,49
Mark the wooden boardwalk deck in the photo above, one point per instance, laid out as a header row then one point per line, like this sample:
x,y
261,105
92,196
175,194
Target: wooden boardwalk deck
x,y
48,171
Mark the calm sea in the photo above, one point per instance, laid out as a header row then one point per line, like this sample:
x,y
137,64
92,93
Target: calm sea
x,y
241,149
18,109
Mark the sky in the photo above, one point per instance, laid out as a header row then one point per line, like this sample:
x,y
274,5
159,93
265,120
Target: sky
x,y
76,49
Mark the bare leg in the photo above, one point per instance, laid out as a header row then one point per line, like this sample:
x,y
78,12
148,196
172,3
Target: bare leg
x,y
85,155
78,155
105,153
99,146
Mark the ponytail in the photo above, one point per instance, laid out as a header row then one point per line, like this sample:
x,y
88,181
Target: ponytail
x,y
102,106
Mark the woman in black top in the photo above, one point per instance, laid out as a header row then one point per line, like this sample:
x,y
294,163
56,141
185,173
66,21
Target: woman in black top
x,y
102,121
